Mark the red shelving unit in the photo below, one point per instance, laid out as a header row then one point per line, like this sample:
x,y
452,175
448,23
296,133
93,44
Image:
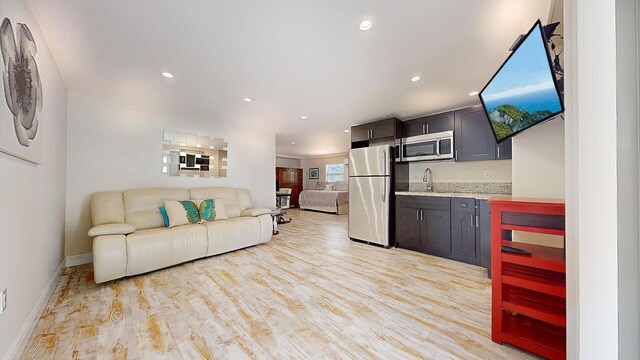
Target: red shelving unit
x,y
528,292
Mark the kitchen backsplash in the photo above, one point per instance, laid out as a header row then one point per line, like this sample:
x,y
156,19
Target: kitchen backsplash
x,y
465,187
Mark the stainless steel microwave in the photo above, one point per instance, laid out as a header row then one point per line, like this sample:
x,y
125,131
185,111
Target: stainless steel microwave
x,y
436,146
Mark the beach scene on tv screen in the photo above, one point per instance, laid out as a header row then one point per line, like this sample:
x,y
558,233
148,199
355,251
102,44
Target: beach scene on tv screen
x,y
523,92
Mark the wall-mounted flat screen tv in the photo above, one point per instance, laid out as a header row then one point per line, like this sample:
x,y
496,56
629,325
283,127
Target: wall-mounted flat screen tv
x,y
524,91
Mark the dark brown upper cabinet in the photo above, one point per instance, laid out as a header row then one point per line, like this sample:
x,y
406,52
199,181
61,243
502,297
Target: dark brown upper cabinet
x,y
473,138
429,124
360,132
503,150
382,129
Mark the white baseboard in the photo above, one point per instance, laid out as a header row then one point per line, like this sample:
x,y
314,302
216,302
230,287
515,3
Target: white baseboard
x,y
20,342
75,260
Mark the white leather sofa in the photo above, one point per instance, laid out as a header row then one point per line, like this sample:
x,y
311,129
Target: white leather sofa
x,y
129,236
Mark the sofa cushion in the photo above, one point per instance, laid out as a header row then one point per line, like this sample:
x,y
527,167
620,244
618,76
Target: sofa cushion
x,y
232,234
244,199
153,249
142,206
107,208
228,196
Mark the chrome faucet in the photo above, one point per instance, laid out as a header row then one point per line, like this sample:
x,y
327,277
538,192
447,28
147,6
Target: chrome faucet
x,y
428,179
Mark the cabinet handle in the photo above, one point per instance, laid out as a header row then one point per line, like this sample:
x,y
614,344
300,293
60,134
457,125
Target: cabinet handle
x,y
472,224
417,215
427,128
498,153
420,215
477,221
456,155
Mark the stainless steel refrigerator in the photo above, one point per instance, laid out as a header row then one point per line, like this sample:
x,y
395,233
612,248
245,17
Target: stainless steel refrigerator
x,y
370,186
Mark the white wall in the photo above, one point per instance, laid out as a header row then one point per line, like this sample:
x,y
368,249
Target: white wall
x,y
320,163
627,167
32,197
288,162
118,146
538,161
471,171
538,155
601,115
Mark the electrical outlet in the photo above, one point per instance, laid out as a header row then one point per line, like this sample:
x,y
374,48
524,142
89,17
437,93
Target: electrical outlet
x,y
3,301
487,174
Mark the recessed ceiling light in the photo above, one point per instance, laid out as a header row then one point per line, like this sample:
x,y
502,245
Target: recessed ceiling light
x,y
365,25
415,78
303,117
167,75
293,143
347,130
384,116
473,93
247,99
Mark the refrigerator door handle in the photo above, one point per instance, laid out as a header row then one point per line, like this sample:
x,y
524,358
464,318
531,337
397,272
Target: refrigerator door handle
x,y
384,161
384,189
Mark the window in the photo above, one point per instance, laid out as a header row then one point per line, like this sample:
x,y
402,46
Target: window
x,y
335,172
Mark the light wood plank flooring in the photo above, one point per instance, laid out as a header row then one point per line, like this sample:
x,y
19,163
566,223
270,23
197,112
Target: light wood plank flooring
x,y
310,293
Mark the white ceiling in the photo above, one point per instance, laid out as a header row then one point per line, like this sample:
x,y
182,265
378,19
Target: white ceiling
x,y
293,58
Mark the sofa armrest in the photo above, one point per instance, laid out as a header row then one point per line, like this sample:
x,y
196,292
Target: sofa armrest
x,y
109,257
255,212
111,229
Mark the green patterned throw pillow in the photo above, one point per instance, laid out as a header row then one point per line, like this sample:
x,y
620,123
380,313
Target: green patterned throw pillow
x,y
182,212
207,210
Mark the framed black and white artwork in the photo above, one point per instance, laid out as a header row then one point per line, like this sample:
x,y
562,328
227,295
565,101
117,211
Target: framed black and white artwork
x,y
21,103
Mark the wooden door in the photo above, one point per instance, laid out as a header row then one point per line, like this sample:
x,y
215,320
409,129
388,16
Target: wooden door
x,y
436,232
408,226
290,178
296,189
474,139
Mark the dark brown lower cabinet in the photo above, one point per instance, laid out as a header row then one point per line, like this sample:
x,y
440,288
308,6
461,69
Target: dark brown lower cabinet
x,y
453,228
436,232
408,227
465,246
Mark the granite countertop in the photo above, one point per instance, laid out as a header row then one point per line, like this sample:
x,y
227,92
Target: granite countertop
x,y
478,196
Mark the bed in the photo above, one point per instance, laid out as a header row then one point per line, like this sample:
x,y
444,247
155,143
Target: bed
x,y
326,197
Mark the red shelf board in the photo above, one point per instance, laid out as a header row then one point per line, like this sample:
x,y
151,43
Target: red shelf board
x,y
533,335
532,229
544,281
547,308
542,257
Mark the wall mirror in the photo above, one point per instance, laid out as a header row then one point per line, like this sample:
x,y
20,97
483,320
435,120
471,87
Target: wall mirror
x,y
193,155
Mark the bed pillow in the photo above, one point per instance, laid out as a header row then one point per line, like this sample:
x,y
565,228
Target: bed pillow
x,y
181,212
320,185
342,186
328,187
219,210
